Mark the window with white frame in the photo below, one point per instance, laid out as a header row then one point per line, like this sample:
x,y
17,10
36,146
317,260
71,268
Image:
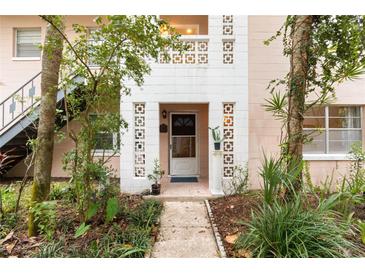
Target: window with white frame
x,y
27,42
332,129
105,141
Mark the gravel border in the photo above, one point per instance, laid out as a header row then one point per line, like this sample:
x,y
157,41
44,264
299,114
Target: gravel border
x,y
217,236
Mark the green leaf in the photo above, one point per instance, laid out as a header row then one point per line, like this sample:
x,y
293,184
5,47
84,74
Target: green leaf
x,y
81,230
92,210
112,208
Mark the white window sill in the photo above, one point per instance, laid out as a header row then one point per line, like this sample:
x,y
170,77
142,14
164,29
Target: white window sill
x,y
326,157
26,58
106,153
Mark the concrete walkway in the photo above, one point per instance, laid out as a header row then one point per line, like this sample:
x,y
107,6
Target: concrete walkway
x,y
185,232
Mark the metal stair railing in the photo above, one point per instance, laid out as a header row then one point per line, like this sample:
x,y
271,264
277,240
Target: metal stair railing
x,y
19,103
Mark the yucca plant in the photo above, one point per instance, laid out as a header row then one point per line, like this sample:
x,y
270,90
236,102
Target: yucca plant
x,y
290,230
278,177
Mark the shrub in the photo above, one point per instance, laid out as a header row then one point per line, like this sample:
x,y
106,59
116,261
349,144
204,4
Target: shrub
x,y
278,177
8,194
60,191
45,217
291,230
131,242
50,250
7,224
112,209
135,242
356,181
361,228
146,214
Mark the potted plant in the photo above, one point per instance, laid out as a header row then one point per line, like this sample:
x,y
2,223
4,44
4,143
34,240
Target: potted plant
x,y
155,177
216,134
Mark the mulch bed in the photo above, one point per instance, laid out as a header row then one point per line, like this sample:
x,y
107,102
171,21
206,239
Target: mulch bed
x,y
232,211
229,213
359,212
18,244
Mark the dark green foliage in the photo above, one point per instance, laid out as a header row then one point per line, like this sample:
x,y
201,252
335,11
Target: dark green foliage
x,y
294,231
294,227
278,176
112,208
7,223
146,214
81,230
216,134
62,192
53,249
9,196
132,242
119,241
45,217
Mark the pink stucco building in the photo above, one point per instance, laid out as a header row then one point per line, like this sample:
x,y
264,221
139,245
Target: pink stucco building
x,y
221,80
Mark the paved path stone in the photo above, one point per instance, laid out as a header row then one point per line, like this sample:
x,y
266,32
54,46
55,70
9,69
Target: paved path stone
x,y
185,232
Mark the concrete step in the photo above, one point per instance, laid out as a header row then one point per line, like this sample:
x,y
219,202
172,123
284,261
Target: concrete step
x,y
178,198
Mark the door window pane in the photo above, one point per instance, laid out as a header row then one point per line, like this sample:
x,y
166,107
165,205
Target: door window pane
x,y
183,147
183,124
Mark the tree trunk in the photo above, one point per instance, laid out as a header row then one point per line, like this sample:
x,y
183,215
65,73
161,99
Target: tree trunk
x,y
51,60
301,40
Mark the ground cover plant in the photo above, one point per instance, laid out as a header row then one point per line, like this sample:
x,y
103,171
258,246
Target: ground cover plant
x,y
126,228
315,222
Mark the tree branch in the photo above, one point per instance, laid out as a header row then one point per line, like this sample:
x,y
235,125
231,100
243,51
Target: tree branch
x,y
45,18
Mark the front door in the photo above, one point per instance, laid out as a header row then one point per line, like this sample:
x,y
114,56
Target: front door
x,y
183,144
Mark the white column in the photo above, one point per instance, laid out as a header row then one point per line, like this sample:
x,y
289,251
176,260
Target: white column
x,y
215,186
152,136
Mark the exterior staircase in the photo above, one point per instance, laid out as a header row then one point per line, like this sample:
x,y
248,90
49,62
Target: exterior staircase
x,y
19,116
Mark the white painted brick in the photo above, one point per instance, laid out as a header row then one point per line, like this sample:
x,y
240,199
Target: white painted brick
x,y
212,83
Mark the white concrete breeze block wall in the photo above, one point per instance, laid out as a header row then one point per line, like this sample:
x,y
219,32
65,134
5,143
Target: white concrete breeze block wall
x,y
214,83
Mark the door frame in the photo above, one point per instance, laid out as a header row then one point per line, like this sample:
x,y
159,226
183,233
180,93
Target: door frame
x,y
197,142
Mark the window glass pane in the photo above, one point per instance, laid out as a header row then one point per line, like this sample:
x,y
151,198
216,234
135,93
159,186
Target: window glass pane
x,y
317,143
188,24
345,122
104,141
314,123
315,111
340,141
344,117
28,41
314,118
341,111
